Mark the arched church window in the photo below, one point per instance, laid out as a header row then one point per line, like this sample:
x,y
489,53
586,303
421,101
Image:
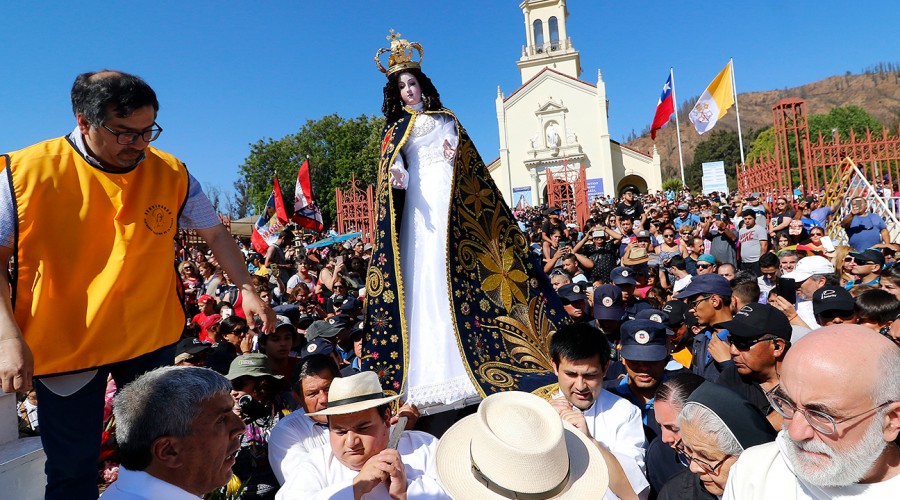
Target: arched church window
x,y
538,27
554,33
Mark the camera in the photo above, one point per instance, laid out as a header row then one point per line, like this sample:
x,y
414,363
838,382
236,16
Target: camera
x,y
251,409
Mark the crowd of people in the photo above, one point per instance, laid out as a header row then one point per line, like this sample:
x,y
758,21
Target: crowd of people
x,y
699,329
680,335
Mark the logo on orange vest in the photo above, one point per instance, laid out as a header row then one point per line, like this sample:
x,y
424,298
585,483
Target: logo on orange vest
x,y
159,219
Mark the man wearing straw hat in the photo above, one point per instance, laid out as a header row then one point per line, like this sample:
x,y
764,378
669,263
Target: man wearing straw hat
x,y
358,462
516,446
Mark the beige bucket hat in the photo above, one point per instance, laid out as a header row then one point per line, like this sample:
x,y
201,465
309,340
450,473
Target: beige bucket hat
x,y
516,446
357,392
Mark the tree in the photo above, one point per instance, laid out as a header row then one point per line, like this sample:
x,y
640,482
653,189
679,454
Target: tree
x,y
337,148
842,119
672,184
764,143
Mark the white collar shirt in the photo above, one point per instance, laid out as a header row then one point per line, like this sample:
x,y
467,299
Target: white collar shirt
x,y
763,472
617,424
139,485
291,441
323,477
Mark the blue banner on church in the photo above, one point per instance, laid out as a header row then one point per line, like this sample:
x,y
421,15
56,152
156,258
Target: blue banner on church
x,y
595,189
522,198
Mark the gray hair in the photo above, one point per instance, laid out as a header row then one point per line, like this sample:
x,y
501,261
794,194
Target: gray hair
x,y
709,424
161,402
887,386
831,279
788,253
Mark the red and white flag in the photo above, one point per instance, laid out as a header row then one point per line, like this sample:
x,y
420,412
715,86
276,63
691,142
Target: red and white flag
x,y
306,213
664,108
271,222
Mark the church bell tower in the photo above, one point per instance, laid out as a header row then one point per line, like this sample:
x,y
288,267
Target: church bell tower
x,y
547,44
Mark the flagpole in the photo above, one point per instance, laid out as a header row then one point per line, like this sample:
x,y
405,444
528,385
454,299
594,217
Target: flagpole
x,y
677,126
736,109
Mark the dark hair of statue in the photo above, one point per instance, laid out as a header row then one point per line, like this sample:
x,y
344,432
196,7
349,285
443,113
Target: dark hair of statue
x,y
393,105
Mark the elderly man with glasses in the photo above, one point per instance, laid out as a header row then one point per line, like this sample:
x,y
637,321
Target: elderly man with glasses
x,y
838,438
101,258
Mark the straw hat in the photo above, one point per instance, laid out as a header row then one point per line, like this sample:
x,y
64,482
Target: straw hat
x,y
357,392
516,446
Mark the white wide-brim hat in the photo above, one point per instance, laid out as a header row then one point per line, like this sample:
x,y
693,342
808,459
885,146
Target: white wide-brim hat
x,y
357,392
516,446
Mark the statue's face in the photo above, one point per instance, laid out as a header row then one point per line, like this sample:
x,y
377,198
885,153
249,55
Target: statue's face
x,y
410,92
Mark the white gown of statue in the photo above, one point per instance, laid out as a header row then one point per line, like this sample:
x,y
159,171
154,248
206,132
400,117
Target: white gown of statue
x,y
436,372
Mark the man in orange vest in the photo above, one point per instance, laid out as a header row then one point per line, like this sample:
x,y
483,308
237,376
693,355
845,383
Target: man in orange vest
x,y
89,221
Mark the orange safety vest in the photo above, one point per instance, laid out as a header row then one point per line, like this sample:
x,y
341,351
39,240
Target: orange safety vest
x,y
94,280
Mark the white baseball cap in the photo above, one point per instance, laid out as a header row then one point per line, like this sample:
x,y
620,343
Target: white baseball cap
x,y
808,266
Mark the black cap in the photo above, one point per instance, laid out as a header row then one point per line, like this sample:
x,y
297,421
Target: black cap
x,y
551,210
702,284
870,256
677,314
317,346
832,298
359,328
622,275
656,315
571,291
351,304
608,303
191,346
756,320
328,328
643,340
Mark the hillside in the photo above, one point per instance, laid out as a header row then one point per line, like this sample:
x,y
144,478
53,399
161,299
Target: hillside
x,y
877,93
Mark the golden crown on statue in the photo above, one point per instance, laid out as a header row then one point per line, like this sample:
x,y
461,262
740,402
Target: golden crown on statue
x,y
401,57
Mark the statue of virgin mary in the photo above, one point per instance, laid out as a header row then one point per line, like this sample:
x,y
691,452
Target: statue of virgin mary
x,y
456,306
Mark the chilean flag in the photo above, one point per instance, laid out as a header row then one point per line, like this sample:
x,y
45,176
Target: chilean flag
x,y
270,223
306,213
664,108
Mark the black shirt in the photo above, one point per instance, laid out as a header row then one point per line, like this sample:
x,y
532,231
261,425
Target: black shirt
x,y
604,258
746,388
547,227
634,211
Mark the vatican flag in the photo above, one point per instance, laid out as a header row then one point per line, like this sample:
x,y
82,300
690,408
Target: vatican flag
x,y
715,101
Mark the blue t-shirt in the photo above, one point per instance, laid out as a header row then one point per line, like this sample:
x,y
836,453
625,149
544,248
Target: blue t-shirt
x,y
865,231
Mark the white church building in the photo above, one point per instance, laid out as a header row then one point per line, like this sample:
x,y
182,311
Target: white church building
x,y
555,118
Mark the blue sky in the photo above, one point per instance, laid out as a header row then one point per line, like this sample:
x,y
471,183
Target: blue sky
x,y
229,73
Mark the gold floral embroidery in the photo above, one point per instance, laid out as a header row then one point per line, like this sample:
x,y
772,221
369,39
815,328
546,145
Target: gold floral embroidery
x,y
505,278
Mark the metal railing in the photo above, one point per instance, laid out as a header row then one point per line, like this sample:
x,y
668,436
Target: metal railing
x,y
848,183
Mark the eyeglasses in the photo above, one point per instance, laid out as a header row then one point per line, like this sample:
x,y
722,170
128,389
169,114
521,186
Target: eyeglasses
x,y
817,234
712,470
670,235
848,259
886,331
742,344
125,138
693,303
820,421
704,266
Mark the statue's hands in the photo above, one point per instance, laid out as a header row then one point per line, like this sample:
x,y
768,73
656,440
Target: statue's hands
x,y
449,150
399,177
